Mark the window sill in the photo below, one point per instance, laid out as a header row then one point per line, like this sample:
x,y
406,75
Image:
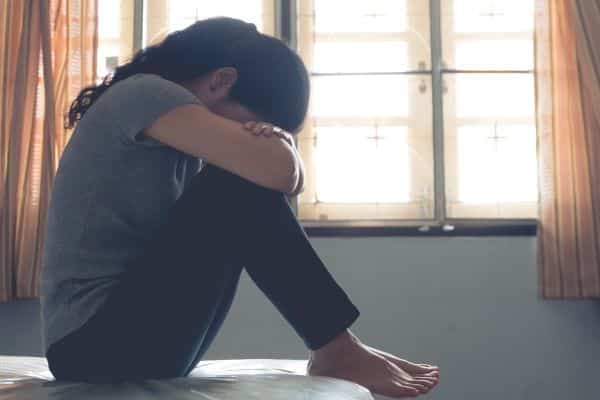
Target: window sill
x,y
460,228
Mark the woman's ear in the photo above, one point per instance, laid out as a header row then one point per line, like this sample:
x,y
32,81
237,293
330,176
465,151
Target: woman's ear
x,y
222,80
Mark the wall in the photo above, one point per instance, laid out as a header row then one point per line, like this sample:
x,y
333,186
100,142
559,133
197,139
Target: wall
x,y
468,304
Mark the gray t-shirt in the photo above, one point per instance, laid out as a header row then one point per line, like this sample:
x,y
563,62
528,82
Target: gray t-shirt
x,y
113,189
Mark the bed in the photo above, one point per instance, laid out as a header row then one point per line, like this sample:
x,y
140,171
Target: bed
x,y
28,378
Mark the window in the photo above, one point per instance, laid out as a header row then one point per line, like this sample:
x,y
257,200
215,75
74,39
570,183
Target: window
x,y
115,34
422,112
368,145
165,16
160,17
489,110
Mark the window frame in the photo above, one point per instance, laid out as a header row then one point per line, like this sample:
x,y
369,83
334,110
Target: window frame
x,y
286,13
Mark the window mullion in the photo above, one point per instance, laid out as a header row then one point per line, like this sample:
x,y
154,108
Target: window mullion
x,y
438,113
138,25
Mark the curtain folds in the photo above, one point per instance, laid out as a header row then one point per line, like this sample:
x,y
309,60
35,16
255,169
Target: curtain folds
x,y
568,99
48,53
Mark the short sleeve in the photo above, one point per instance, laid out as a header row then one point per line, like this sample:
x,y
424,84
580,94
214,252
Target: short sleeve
x,y
136,102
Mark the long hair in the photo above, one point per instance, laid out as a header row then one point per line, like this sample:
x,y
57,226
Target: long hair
x,y
272,79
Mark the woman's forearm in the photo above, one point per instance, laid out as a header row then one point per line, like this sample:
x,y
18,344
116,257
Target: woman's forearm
x,y
268,130
267,161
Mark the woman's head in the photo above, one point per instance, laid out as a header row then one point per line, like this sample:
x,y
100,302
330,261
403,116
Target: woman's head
x,y
234,69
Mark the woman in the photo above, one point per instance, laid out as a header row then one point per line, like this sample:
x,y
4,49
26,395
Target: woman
x,y
166,190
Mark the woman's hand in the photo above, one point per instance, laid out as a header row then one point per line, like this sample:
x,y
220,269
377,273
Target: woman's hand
x,y
195,130
266,129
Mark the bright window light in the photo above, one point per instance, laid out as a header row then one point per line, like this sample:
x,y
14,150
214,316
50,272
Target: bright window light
x,y
183,13
360,16
109,19
497,164
362,165
493,16
483,95
360,96
384,56
109,36
495,54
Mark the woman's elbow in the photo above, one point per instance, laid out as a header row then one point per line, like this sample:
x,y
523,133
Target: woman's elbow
x,y
289,176
280,171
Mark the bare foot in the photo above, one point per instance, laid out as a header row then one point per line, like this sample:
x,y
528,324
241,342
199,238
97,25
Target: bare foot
x,y
410,367
346,357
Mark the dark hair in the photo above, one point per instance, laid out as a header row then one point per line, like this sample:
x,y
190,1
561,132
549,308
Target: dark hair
x,y
272,79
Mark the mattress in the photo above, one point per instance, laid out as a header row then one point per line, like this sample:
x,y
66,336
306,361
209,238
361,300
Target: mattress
x,y
28,378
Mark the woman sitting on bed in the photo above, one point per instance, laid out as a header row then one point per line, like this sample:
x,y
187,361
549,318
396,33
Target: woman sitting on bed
x,y
174,180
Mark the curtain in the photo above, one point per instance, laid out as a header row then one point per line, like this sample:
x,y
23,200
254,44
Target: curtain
x,y
48,53
568,101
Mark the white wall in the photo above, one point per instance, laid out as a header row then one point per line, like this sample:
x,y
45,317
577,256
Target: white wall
x,y
469,305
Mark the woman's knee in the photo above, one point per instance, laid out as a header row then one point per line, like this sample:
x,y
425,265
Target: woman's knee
x,y
227,186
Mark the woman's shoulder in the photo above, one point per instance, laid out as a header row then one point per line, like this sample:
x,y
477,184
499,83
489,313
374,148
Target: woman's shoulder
x,y
144,80
144,91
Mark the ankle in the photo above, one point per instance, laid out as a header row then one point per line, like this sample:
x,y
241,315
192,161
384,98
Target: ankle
x,y
336,347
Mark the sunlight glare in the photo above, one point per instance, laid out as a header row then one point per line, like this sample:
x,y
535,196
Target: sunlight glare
x,y
502,170
352,168
360,16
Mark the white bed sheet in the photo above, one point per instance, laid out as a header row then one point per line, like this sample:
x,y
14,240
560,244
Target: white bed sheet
x,y
28,378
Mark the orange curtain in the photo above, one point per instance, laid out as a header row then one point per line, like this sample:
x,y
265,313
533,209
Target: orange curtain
x,y
568,96
48,53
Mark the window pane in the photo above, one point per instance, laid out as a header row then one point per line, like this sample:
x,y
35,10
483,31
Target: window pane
x,y
492,15
185,12
493,54
367,144
362,165
384,56
360,96
360,16
492,95
115,34
368,151
488,34
165,16
497,164
364,36
108,19
490,146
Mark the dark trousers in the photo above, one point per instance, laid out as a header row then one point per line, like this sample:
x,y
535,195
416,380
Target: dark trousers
x,y
170,303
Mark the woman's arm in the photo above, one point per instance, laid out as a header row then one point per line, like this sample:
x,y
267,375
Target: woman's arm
x,y
193,129
267,129
300,185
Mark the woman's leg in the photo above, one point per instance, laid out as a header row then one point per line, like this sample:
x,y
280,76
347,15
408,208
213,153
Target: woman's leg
x,y
171,302
220,314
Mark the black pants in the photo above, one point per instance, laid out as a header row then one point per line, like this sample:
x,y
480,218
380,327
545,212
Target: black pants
x,y
170,303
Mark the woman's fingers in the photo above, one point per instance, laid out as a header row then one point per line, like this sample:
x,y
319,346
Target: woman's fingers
x,y
250,125
265,129
268,130
259,128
